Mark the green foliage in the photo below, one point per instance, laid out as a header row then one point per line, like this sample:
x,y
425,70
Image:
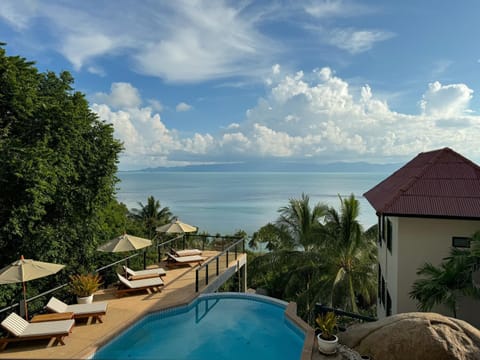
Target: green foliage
x,y
448,282
58,164
325,257
152,215
84,285
327,323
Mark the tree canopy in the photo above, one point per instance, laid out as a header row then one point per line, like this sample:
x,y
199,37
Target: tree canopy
x,y
58,165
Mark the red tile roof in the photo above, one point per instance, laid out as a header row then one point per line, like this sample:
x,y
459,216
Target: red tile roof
x,y
440,183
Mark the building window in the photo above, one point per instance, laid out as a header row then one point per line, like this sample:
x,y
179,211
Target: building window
x,y
379,283
382,297
461,242
380,230
389,304
389,235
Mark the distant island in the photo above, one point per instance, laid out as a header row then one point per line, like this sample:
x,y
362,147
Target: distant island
x,y
281,167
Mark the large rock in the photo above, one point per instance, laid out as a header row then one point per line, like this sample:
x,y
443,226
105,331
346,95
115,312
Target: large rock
x,y
414,336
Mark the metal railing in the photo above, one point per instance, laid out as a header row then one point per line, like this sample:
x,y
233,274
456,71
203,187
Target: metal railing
x,y
226,252
322,309
19,305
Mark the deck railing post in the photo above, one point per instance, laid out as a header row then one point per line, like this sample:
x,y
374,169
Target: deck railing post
x,y
196,280
226,264
206,274
218,265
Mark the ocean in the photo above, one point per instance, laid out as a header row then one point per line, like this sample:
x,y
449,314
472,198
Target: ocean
x,y
224,202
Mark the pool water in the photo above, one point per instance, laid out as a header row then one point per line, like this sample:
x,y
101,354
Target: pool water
x,y
212,327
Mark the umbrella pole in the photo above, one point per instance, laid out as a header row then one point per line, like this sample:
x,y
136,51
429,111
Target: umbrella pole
x,y
25,300
144,259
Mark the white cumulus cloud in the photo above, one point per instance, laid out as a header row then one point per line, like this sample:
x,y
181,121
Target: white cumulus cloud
x,y
182,107
122,95
315,117
446,100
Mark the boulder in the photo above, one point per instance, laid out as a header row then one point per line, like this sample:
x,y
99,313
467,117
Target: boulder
x,y
414,336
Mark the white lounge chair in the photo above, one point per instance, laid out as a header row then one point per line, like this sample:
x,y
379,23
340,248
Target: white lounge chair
x,y
22,330
181,260
150,284
148,273
186,252
94,310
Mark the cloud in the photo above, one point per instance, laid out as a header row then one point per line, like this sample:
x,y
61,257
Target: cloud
x,y
183,41
446,100
182,107
18,12
336,8
122,95
155,105
314,117
357,41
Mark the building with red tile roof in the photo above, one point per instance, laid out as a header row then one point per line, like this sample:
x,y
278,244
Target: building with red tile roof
x,y
424,208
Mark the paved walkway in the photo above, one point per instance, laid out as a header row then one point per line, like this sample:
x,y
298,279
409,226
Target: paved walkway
x,y
179,289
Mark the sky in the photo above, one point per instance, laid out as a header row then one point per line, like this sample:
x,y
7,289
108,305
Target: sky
x,y
203,82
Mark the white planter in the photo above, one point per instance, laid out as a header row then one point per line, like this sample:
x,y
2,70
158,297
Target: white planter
x,y
85,300
327,347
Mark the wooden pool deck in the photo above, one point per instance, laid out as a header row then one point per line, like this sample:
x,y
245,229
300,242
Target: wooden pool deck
x,y
179,290
85,338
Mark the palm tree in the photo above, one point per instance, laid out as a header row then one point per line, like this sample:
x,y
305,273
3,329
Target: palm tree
x,y
337,261
152,215
301,222
449,281
350,256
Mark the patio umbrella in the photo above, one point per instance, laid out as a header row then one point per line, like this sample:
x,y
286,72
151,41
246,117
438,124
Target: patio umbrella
x,y
24,270
126,242
176,227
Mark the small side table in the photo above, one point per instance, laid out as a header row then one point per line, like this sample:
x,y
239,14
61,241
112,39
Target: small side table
x,y
52,317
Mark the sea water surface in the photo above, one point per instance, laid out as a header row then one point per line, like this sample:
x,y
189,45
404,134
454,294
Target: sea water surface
x,y
224,202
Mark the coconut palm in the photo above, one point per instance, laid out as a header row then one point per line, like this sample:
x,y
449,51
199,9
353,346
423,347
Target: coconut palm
x,y
351,256
301,222
152,215
337,264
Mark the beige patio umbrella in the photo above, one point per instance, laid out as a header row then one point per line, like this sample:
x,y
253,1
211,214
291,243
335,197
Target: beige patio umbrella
x,y
24,270
127,242
176,227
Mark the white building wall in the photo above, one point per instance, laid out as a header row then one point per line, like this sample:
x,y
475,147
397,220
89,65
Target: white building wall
x,y
417,241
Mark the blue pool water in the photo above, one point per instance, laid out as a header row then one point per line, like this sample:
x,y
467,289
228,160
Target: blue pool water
x,y
221,326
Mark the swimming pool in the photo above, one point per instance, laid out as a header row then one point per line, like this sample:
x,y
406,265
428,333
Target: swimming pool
x,y
215,326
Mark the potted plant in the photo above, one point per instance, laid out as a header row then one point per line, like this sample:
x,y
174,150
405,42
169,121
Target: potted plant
x,y
84,286
326,339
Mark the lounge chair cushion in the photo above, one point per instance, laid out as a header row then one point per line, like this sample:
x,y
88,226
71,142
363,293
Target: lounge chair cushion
x,y
156,271
186,259
21,328
58,306
188,252
136,284
15,324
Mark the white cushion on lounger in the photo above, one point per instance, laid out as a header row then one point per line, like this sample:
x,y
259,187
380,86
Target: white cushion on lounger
x,y
156,271
22,328
134,284
58,306
188,252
